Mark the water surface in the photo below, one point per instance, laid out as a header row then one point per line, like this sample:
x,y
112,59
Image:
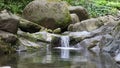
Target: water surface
x,y
58,58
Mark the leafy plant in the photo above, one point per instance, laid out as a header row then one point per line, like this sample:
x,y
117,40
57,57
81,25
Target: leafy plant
x,y
94,7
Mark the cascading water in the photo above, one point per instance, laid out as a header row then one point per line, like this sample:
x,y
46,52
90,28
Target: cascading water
x,y
65,41
65,44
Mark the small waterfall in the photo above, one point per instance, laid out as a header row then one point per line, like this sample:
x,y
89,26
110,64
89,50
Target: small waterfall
x,y
65,41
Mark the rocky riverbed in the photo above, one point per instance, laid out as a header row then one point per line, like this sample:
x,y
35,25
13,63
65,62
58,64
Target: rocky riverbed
x,y
35,29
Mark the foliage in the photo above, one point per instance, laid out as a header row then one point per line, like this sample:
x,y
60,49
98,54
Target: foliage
x,y
94,7
15,6
98,7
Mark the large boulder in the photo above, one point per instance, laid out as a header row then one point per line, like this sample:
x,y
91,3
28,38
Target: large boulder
x,y
92,24
51,14
8,22
80,11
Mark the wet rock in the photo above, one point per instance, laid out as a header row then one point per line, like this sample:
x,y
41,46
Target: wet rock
x,y
92,24
117,58
74,18
80,11
8,22
8,42
47,14
56,41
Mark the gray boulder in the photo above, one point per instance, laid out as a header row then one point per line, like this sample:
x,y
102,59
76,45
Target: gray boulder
x,y
80,11
112,44
92,24
50,14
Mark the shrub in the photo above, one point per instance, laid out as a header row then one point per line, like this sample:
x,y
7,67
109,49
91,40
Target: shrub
x,y
94,7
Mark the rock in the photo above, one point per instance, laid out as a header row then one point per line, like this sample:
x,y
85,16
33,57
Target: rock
x,y
9,25
32,41
76,37
57,31
8,22
6,15
8,37
74,18
80,11
28,26
117,58
92,24
103,30
8,42
91,42
112,45
56,41
51,14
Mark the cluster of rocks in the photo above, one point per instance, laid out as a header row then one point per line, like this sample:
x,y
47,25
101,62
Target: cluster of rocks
x,y
20,33
55,16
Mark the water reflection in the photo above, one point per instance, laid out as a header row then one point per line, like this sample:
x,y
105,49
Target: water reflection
x,y
48,56
9,60
58,58
65,54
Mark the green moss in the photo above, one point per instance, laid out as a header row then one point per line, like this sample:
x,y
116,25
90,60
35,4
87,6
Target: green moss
x,y
6,48
32,49
53,0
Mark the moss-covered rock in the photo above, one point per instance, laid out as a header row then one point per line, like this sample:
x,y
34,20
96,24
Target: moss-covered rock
x,y
57,31
28,26
51,14
32,41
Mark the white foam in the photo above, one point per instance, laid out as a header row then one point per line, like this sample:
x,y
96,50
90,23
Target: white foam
x,y
67,48
5,67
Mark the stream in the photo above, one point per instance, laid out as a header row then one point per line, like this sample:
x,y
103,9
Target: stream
x,y
59,57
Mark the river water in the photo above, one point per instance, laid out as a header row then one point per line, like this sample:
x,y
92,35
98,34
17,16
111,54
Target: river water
x,y
58,58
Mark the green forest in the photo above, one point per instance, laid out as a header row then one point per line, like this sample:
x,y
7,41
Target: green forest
x,y
94,7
